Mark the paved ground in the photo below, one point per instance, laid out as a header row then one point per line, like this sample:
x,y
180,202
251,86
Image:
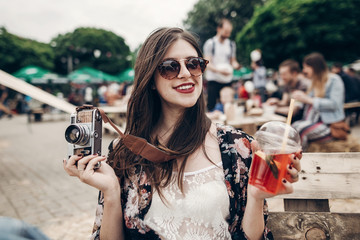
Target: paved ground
x,y
33,185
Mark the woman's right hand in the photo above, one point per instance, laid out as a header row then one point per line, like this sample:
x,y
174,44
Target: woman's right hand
x,y
103,178
302,97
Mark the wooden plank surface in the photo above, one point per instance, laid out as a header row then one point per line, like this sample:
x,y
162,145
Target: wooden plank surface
x,y
34,92
293,225
351,105
257,120
250,124
114,109
328,176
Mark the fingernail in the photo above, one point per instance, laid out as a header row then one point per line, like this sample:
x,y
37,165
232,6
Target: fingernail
x,y
284,181
294,157
79,155
290,167
103,155
95,154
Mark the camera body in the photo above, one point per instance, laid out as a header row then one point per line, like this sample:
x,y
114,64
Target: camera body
x,y
84,134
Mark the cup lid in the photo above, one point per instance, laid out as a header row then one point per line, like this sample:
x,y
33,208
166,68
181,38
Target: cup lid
x,y
270,138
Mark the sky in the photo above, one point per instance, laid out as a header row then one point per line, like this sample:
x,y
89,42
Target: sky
x,y
133,20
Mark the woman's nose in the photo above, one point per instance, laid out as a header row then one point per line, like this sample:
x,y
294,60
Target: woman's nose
x,y
184,72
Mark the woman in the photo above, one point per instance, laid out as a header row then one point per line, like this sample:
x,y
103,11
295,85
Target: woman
x,y
202,191
323,105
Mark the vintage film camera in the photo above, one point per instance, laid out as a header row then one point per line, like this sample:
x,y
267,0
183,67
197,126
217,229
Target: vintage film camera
x,y
84,134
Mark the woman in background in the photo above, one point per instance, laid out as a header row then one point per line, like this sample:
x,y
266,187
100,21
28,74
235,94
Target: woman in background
x,y
323,105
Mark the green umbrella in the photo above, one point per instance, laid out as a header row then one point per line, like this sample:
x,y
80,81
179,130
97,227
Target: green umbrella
x,y
127,75
90,75
242,73
37,75
32,74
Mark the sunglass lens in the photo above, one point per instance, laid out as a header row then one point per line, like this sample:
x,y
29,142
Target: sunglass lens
x,y
169,69
195,66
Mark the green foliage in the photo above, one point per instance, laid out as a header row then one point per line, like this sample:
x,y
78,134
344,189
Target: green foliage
x,y
206,13
79,47
294,28
17,52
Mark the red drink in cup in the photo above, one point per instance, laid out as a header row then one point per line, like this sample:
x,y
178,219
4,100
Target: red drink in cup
x,y
268,171
269,164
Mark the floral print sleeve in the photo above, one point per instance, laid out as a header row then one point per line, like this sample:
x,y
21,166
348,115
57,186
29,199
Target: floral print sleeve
x,y
236,156
99,214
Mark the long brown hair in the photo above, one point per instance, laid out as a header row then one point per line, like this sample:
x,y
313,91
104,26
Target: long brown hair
x,y
144,110
317,62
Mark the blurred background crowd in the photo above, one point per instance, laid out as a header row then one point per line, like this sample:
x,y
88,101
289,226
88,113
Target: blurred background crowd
x,y
95,66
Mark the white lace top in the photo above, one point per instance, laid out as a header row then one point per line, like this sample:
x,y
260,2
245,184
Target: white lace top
x,y
198,214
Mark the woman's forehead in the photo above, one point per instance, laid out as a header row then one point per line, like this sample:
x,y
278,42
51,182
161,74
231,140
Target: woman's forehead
x,y
181,49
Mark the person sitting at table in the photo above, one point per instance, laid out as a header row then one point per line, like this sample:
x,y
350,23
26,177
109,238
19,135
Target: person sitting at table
x,y
324,103
289,71
226,96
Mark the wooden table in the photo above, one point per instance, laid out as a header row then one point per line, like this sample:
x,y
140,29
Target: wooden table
x,y
250,124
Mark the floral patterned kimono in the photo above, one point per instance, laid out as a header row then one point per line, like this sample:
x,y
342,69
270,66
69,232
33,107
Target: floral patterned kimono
x,y
236,158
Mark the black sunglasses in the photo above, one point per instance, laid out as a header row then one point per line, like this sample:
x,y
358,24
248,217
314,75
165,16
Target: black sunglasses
x,y
170,68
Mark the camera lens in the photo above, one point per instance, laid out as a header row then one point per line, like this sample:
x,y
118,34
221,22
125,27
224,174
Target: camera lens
x,y
77,134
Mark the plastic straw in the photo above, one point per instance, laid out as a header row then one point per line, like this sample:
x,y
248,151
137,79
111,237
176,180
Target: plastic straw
x,y
288,123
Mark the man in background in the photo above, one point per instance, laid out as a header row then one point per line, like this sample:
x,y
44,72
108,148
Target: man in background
x,y
220,51
352,85
352,92
3,99
289,71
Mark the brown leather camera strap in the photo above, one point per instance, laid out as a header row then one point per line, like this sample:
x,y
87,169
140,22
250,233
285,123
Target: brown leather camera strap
x,y
137,145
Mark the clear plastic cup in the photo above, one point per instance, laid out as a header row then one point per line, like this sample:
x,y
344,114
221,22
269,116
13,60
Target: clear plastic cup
x,y
269,164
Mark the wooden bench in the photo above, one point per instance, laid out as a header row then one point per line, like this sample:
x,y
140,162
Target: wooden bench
x,y
352,112
307,215
351,144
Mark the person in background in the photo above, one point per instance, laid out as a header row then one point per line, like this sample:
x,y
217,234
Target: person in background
x,y
3,101
289,71
88,96
14,229
113,93
101,92
323,105
200,190
352,73
226,96
352,85
259,76
221,53
352,91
